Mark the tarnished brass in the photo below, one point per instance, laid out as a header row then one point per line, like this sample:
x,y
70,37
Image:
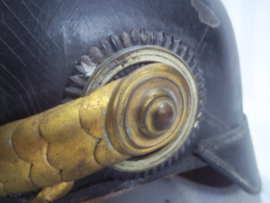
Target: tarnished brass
x,y
151,54
144,87
157,115
162,115
61,144
147,110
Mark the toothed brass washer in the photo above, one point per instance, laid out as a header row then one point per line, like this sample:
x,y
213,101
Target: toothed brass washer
x,y
181,98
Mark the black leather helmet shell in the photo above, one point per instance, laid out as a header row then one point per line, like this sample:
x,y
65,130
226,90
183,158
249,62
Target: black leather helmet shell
x,y
42,41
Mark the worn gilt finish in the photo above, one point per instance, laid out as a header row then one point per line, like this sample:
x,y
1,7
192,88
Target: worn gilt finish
x,y
125,60
150,108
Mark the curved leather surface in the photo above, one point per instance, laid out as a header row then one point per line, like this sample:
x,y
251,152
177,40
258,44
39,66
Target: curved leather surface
x,y
41,41
232,155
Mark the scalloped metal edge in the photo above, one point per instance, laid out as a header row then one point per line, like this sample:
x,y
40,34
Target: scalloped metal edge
x,y
106,48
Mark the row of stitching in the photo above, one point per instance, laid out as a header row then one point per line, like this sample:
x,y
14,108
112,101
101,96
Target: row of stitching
x,y
215,160
231,138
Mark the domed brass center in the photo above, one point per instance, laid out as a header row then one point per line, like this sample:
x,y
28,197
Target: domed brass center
x,y
164,116
126,113
158,116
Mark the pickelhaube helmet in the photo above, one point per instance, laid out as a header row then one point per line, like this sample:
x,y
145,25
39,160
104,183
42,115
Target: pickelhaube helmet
x,y
125,93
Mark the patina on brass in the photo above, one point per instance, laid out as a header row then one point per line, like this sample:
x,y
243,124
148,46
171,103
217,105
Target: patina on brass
x,y
158,114
162,115
62,144
152,54
147,110
129,102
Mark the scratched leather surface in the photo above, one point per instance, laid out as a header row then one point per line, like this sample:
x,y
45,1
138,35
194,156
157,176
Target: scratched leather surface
x,y
41,41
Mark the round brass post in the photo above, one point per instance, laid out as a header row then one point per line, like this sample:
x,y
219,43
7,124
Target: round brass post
x,y
173,108
158,116
162,115
149,110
